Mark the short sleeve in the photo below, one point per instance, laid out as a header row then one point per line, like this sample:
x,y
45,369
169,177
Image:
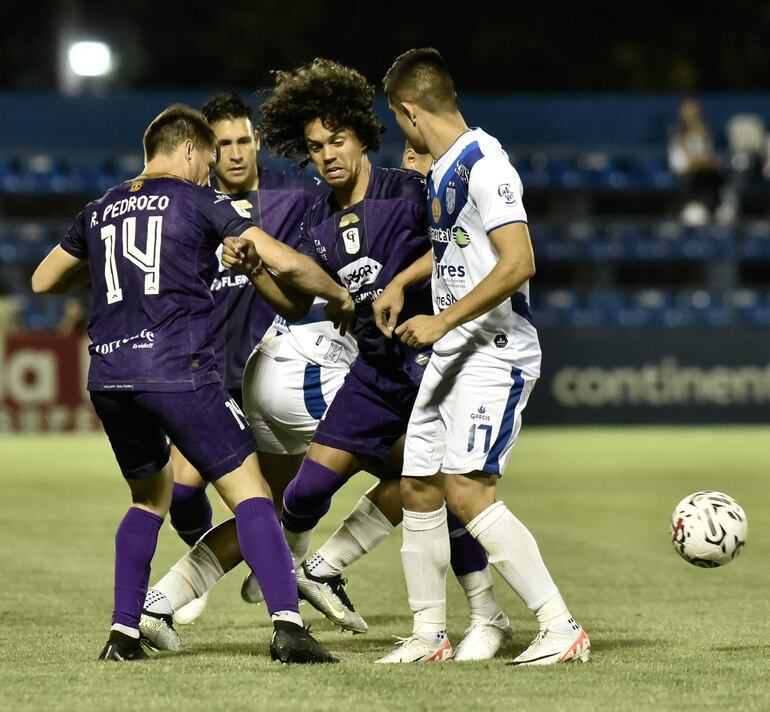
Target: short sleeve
x,y
74,240
227,218
305,244
496,189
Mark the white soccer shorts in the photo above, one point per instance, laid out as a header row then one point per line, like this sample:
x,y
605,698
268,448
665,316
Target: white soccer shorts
x,y
284,400
466,417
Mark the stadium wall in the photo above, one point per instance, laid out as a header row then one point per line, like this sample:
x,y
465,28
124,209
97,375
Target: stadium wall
x,y
590,376
51,122
693,375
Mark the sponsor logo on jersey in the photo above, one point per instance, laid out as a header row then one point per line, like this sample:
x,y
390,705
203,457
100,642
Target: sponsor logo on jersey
x,y
451,196
504,191
368,296
358,273
443,301
229,280
143,340
135,185
460,236
449,271
480,414
351,240
439,234
220,196
435,209
501,341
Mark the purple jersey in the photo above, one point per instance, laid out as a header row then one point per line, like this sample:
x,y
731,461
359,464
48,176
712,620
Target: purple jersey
x,y
241,316
365,246
150,244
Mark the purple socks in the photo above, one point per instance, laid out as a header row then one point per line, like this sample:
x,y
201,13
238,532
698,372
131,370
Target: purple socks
x,y
135,543
265,551
190,512
467,555
309,496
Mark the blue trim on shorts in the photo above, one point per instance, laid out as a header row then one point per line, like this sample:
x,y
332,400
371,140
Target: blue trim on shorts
x,y
314,397
492,464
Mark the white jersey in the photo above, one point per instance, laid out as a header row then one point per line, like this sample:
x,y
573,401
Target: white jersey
x,y
474,189
313,339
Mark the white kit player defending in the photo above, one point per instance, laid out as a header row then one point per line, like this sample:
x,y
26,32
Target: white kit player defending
x,y
486,359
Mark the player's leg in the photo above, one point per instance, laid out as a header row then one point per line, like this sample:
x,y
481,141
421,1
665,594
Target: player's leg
x,y
481,435
226,458
142,453
489,626
190,511
514,553
425,551
190,515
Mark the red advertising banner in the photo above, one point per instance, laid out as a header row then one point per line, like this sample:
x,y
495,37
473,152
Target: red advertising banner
x,y
43,383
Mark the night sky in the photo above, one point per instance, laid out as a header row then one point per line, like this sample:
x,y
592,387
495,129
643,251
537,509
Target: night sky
x,y
490,46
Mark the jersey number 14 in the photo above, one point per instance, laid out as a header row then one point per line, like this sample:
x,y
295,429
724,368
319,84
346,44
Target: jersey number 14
x,y
147,260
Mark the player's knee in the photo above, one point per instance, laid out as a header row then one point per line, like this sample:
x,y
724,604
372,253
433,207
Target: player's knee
x,y
422,494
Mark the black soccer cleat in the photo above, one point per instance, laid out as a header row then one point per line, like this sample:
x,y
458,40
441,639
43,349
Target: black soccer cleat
x,y
291,643
122,648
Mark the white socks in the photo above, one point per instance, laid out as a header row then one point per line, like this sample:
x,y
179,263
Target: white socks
x,y
425,556
481,598
189,578
299,545
360,532
512,550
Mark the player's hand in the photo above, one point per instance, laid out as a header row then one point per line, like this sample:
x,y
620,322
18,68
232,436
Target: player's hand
x,y
239,254
387,307
422,330
341,312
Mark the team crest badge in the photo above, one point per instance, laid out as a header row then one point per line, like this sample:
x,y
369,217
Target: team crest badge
x,y
351,240
242,207
135,185
435,208
451,194
349,219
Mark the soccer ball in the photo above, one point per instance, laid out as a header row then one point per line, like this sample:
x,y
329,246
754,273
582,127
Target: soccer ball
x,y
708,529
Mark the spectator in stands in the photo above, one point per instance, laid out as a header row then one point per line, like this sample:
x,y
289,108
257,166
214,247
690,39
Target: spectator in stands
x,y
693,157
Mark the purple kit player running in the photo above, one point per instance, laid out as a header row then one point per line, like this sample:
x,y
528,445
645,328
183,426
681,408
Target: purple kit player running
x,y
149,245
274,201
370,226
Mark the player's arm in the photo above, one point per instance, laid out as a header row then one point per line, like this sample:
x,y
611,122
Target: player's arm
x,y
60,272
296,270
290,303
516,264
389,304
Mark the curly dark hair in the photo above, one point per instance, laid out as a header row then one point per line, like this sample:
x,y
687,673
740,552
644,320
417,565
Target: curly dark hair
x,y
226,106
338,95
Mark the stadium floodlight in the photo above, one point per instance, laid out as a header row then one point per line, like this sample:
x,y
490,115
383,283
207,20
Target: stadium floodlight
x,y
90,58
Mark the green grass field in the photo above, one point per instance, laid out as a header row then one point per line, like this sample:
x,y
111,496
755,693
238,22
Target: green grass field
x,y
666,635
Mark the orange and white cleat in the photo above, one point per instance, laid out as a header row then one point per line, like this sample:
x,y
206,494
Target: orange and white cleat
x,y
415,649
549,648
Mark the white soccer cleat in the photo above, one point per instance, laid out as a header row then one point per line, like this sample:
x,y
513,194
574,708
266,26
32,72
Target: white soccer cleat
x,y
190,612
550,648
327,595
415,649
157,631
484,638
250,590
